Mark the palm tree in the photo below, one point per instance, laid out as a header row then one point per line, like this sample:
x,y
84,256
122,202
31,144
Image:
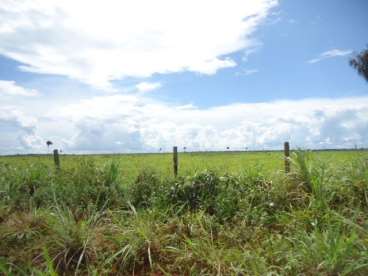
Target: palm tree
x,y
360,63
48,143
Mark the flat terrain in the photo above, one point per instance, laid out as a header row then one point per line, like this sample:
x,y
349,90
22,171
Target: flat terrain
x,y
189,163
228,213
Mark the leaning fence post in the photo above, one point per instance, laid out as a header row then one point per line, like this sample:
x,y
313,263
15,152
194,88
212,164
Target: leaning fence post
x,y
287,156
175,160
56,159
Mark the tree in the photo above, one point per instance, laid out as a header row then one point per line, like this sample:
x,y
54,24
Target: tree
x,y
48,143
360,63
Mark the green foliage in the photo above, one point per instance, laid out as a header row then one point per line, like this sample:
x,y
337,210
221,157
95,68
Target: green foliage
x,y
22,188
144,188
330,252
99,218
194,192
360,63
81,187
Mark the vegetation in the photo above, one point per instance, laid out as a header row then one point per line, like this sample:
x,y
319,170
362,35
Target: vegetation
x,y
96,217
360,63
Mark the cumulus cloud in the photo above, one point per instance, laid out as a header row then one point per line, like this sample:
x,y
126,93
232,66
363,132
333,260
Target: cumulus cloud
x,y
101,41
147,86
18,132
126,123
131,123
331,54
12,89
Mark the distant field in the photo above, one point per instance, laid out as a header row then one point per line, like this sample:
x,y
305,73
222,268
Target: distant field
x,y
189,163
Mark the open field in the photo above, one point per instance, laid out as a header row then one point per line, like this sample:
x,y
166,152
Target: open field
x,y
226,213
189,163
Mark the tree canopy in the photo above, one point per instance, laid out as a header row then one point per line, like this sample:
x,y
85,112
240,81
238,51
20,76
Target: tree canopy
x,y
360,63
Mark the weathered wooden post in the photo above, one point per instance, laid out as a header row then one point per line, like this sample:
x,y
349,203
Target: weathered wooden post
x,y
175,160
287,156
56,159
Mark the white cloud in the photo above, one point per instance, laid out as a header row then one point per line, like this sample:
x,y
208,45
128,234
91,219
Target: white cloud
x,y
12,89
18,132
130,123
126,123
100,41
331,54
148,86
247,72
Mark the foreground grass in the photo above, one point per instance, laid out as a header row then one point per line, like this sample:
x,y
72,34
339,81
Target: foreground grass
x,y
90,219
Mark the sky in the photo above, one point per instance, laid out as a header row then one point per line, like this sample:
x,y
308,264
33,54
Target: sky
x,y
140,76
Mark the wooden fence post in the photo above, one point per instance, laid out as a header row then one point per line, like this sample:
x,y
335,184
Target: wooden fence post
x,y
175,160
287,156
56,159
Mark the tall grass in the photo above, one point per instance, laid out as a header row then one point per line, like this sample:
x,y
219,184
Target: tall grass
x,y
90,219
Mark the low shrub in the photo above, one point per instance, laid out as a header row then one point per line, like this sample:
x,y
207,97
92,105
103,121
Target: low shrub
x,y
194,192
143,190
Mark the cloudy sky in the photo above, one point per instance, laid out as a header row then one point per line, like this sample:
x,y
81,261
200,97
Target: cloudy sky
x,y
136,76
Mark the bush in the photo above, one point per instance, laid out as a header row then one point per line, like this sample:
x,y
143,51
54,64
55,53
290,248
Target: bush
x,y
194,192
143,189
223,197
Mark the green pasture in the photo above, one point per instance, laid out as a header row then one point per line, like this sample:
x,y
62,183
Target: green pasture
x,y
270,162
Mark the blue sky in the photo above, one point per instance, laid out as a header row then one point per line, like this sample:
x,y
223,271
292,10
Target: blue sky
x,y
194,75
297,32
